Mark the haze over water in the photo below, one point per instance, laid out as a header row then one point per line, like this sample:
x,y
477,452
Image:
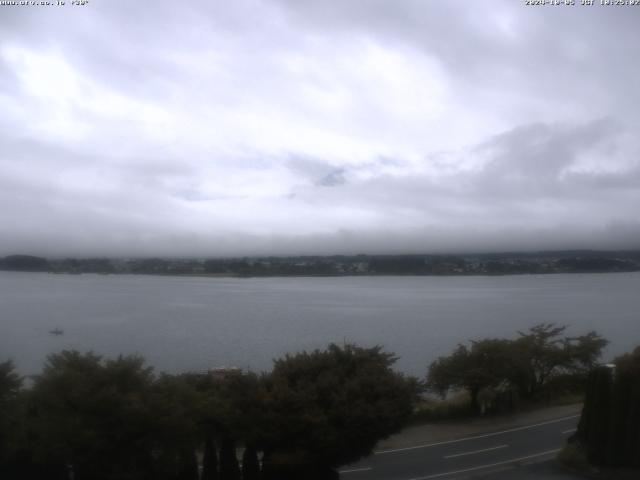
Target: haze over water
x,y
185,323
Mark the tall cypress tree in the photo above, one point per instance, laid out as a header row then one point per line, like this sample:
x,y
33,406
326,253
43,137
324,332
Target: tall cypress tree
x,y
617,441
229,468
188,465
210,459
250,464
600,415
626,430
610,424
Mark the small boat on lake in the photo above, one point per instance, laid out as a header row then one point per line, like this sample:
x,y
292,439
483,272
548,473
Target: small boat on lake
x,y
56,331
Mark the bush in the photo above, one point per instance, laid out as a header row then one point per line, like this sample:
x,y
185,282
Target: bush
x,y
433,410
574,457
328,408
566,384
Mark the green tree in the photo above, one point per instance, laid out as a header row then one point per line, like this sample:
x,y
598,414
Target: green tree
x,y
210,458
10,381
188,465
609,427
624,449
486,363
110,419
584,351
174,404
327,408
527,363
230,410
250,464
10,415
542,352
229,468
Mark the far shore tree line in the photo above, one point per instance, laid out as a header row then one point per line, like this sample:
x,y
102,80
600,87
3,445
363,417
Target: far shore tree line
x,y
338,265
86,417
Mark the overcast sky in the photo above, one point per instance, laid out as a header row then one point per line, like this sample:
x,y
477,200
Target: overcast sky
x,y
295,126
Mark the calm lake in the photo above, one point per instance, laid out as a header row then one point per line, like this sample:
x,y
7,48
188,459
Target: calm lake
x,y
186,323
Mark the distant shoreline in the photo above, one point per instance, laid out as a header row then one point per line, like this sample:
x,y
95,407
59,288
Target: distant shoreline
x,y
345,275
487,264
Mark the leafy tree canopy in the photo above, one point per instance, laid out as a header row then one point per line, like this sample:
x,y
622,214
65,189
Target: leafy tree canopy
x,y
331,407
486,363
109,419
526,363
542,352
10,428
10,381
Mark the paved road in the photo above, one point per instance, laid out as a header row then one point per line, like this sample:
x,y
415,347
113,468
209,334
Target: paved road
x,y
466,457
549,470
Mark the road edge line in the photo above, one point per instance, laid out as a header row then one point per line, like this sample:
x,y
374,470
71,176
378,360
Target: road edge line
x,y
475,437
489,465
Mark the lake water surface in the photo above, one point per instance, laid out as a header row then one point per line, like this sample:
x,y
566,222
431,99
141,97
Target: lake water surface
x,y
188,323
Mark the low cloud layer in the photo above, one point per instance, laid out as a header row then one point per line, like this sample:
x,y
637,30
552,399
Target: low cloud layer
x,y
294,126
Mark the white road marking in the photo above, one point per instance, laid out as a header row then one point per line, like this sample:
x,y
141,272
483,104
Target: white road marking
x,y
476,451
447,442
571,430
489,465
353,470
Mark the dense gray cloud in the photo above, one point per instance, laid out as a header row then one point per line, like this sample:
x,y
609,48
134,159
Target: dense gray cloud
x,y
295,126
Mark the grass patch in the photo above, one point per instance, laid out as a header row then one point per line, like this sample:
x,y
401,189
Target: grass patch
x,y
457,407
433,410
574,458
566,399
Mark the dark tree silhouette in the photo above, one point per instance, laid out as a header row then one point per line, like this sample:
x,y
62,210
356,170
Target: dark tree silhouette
x,y
609,428
485,364
188,466
250,464
327,408
111,419
210,459
525,364
229,468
